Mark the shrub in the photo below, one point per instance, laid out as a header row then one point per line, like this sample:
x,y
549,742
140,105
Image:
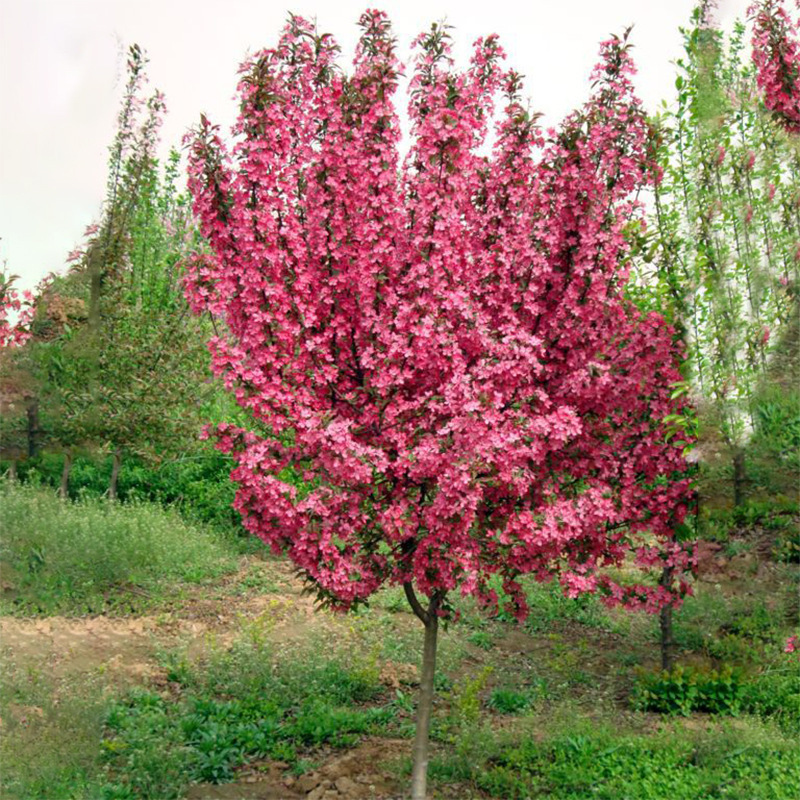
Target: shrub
x,y
683,691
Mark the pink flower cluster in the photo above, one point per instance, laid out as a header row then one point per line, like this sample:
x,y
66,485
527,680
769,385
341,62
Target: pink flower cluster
x,y
448,382
776,54
16,313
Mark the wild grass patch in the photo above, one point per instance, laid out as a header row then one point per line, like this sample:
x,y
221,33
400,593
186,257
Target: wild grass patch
x,y
94,556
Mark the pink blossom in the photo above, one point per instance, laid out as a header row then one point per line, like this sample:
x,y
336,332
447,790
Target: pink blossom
x,y
439,343
776,55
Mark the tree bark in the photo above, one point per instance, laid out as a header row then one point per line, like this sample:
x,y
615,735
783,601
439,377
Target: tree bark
x,y
95,263
12,470
739,477
33,427
115,467
665,620
63,489
419,774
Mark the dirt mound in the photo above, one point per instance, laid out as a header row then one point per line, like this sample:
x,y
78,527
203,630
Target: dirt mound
x,y
352,775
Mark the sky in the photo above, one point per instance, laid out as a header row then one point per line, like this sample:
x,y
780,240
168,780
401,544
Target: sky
x,y
62,72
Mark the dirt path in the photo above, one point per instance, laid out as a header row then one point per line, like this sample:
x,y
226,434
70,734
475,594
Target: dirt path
x,y
128,646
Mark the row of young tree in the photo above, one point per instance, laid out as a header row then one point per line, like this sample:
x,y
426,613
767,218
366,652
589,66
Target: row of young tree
x,y
722,255
107,357
444,351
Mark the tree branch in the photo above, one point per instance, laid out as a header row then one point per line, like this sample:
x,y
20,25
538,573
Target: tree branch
x,y
413,601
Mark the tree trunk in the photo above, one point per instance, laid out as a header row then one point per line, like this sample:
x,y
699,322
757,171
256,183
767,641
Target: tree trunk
x,y
33,427
95,264
63,489
12,470
115,467
419,774
665,620
739,476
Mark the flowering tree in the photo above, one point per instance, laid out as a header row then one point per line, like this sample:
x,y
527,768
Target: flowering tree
x,y
776,54
438,346
16,313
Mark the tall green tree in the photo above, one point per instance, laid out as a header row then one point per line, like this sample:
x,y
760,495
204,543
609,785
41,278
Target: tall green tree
x,y
120,361
723,255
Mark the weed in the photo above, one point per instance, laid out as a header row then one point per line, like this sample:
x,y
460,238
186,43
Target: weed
x,y
683,691
482,639
94,556
240,705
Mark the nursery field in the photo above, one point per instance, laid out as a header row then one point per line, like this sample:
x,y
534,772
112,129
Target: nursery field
x,y
171,660
398,443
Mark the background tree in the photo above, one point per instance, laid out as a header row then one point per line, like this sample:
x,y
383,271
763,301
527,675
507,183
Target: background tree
x,y
440,348
119,357
776,55
722,260
16,435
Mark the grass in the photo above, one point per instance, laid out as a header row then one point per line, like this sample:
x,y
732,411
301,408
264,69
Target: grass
x,y
51,734
542,710
238,705
92,556
597,761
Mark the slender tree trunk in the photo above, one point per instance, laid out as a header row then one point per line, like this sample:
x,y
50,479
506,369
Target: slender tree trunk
x,y
33,427
63,489
115,467
739,476
95,263
665,620
430,618
12,470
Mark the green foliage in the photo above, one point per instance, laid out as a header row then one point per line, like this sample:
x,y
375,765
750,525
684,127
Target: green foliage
x,y
775,695
465,697
237,707
198,485
49,745
513,701
719,524
598,763
787,545
94,556
774,448
482,639
548,605
683,691
743,630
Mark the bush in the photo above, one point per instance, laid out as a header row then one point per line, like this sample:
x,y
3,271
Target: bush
x,y
683,691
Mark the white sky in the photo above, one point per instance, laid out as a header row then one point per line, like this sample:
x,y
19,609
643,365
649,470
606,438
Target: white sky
x,y
62,70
